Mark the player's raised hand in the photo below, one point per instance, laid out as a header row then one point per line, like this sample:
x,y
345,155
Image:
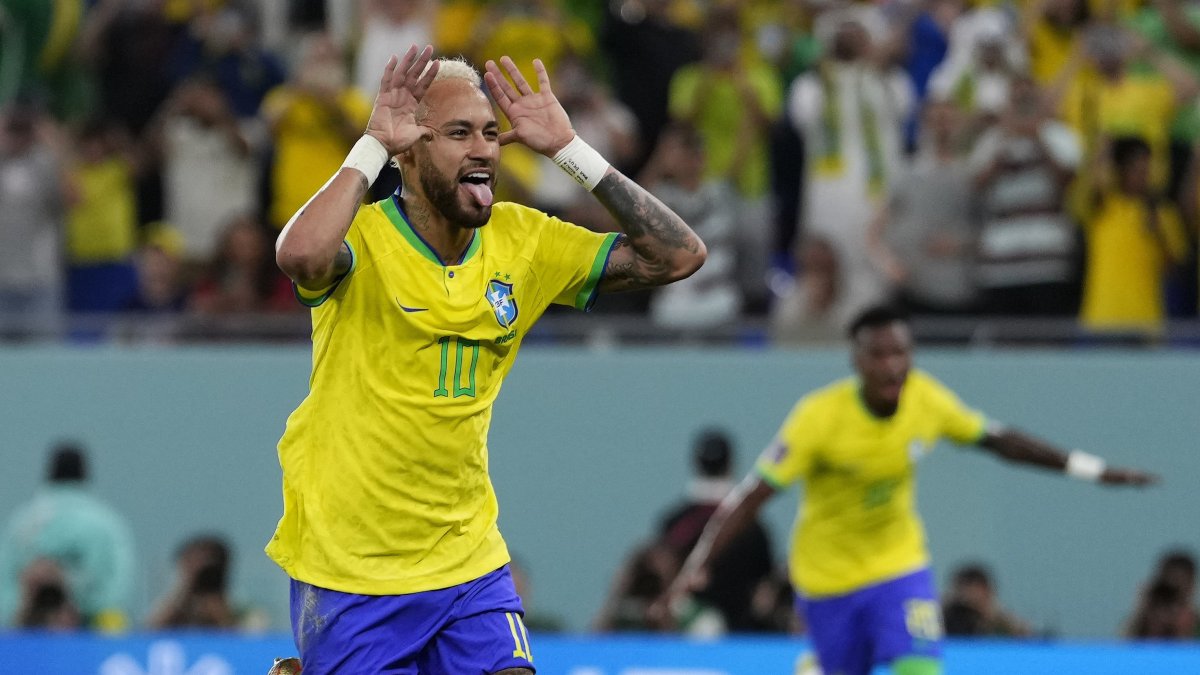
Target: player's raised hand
x,y
537,118
393,119
1119,476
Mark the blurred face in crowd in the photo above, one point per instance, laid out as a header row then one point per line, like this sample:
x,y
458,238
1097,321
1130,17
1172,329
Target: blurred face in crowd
x,y
244,243
883,357
851,41
1064,13
1134,174
455,169
941,122
17,132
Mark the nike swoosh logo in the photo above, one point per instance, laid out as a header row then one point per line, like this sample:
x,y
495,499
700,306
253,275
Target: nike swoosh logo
x,y
411,309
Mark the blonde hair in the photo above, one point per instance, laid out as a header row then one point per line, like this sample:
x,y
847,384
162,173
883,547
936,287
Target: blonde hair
x,y
456,68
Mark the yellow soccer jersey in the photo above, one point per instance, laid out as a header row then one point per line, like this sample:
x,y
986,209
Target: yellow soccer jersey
x,y
385,463
858,523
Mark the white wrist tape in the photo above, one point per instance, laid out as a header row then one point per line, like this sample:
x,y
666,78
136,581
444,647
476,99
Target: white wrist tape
x,y
1084,466
582,163
368,156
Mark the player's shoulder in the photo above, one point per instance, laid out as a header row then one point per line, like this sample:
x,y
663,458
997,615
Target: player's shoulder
x,y
838,393
926,386
518,226
510,214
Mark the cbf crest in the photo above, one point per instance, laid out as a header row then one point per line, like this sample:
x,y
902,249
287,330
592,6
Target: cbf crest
x,y
504,305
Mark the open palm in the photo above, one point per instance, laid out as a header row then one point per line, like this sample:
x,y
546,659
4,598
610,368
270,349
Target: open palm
x,y
393,119
537,118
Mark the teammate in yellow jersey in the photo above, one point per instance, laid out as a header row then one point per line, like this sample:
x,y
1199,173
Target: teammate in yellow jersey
x,y
858,560
420,303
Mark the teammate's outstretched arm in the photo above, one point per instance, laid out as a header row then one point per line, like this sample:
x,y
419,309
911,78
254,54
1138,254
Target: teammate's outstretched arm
x,y
657,247
735,513
1021,448
309,249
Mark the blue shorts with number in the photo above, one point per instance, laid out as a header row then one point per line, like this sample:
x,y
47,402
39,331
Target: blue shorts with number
x,y
474,627
876,625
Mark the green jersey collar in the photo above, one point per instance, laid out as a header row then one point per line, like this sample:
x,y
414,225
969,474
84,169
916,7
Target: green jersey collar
x,y
395,213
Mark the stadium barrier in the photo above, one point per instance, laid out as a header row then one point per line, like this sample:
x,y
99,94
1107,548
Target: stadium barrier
x,y
211,654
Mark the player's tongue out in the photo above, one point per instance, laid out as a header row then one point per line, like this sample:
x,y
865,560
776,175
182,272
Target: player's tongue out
x,y
476,184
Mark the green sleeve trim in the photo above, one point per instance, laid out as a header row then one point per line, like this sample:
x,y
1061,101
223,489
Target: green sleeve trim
x,y
587,295
768,478
325,295
400,222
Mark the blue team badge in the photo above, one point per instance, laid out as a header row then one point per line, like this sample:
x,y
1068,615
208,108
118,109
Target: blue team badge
x,y
500,296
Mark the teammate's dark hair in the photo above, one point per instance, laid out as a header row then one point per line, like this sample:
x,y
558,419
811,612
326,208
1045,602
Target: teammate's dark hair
x,y
875,317
1125,149
68,463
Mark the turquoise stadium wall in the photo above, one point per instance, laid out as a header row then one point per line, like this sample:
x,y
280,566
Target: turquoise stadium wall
x,y
588,448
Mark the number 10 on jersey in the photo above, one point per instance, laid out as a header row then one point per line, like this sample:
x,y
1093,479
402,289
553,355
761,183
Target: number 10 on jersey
x,y
460,346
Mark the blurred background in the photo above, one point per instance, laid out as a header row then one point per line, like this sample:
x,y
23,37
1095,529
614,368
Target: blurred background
x,y
1022,176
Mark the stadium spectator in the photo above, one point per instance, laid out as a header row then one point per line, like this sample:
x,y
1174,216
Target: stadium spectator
x,y
1053,31
314,119
102,222
384,24
199,596
241,277
858,548
735,577
161,289
675,174
971,608
204,151
89,542
1137,91
645,46
1027,242
851,112
977,75
923,236
642,579
46,599
128,45
732,101
220,44
814,308
529,29
1134,237
31,169
410,432
1166,603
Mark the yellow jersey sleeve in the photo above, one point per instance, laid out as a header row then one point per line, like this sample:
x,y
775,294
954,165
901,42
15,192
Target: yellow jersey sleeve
x,y
791,455
569,262
959,423
315,297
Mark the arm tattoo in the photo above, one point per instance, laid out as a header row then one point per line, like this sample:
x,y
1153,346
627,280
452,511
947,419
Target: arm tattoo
x,y
655,233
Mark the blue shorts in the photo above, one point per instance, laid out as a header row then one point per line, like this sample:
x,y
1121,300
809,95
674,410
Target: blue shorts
x,y
474,627
852,633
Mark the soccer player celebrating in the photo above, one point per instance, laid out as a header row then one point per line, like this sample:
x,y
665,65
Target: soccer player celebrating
x,y
858,559
420,303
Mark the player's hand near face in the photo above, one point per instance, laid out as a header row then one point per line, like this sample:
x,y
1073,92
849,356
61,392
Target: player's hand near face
x,y
537,118
393,119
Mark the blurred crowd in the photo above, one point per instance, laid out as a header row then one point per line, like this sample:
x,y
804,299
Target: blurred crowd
x,y
1035,158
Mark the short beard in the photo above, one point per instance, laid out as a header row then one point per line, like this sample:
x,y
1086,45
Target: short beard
x,y
442,193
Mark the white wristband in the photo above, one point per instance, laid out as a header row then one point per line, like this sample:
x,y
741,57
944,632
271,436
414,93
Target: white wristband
x,y
582,163
1084,466
368,156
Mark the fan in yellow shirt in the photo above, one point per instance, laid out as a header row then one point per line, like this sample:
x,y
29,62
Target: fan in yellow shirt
x,y
858,562
421,303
